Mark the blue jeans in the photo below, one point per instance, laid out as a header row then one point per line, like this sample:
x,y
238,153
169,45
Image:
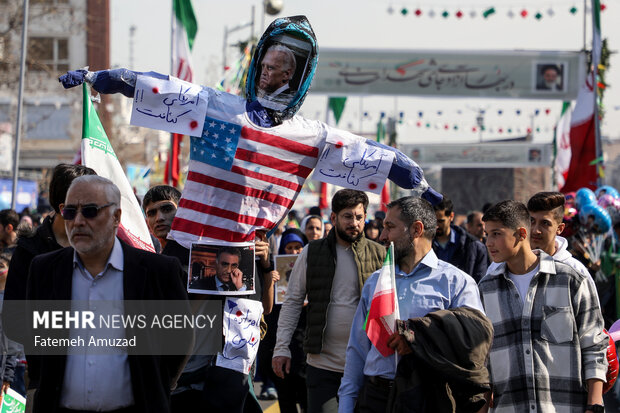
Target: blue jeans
x,y
18,380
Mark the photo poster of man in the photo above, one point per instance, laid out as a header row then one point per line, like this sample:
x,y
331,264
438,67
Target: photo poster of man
x,y
550,76
221,269
282,70
283,265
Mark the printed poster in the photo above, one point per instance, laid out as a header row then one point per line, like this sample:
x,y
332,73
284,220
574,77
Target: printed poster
x,y
284,265
242,334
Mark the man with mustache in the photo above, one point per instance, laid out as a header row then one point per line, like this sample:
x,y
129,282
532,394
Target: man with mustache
x,y
332,272
99,267
49,236
424,284
228,276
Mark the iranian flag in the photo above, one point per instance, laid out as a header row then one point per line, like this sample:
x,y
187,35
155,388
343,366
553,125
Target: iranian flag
x,y
97,153
562,146
583,168
184,28
381,318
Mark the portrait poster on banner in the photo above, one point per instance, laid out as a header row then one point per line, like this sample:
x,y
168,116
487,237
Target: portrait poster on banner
x,y
221,269
550,76
283,265
282,70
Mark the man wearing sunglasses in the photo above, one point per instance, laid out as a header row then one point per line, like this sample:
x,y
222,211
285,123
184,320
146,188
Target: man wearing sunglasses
x,y
101,267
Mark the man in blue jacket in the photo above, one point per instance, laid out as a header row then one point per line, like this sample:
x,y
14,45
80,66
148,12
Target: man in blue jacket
x,y
455,245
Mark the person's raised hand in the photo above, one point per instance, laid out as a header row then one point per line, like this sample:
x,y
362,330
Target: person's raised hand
x,y
237,278
261,249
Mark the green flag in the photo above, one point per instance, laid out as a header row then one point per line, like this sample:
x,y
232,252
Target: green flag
x,y
337,106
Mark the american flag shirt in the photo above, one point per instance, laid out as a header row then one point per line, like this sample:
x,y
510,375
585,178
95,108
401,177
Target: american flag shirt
x,y
243,177
544,350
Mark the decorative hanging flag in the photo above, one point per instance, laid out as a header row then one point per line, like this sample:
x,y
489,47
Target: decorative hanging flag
x,y
97,153
488,12
336,104
381,319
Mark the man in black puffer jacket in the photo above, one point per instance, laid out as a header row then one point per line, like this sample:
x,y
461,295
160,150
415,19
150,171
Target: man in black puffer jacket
x,y
455,245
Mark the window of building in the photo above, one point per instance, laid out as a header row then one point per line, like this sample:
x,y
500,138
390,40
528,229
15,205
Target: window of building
x,y
49,2
48,54
47,121
5,112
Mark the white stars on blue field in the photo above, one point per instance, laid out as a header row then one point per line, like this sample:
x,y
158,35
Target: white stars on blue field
x,y
217,145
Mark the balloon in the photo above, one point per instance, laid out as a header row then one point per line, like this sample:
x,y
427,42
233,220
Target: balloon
x,y
614,214
596,218
569,212
606,200
584,196
569,199
607,190
570,196
612,364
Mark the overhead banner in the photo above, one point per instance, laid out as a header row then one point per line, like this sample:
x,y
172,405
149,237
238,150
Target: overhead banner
x,y
488,155
491,74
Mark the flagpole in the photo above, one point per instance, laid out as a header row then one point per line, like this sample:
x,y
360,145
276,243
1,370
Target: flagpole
x,y
20,104
596,61
172,27
396,308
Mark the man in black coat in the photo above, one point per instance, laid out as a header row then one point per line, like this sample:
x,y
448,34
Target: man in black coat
x,y
49,236
455,245
100,267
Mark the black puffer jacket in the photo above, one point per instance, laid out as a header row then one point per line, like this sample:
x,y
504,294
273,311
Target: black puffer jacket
x,y
470,255
29,246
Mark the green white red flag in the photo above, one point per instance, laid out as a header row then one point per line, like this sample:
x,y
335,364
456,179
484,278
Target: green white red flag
x,y
184,28
583,171
562,146
383,312
98,154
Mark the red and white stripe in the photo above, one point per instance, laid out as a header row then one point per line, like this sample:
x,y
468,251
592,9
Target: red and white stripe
x,y
269,170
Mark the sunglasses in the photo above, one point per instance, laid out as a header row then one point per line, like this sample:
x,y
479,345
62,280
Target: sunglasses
x,y
89,211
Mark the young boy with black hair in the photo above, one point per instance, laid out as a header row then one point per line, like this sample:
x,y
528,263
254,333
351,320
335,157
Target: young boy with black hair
x,y
546,218
548,352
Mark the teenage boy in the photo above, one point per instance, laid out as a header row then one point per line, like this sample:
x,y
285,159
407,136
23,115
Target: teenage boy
x,y
546,215
549,348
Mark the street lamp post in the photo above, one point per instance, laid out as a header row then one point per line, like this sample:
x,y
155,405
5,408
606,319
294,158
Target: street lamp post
x,y
20,103
227,31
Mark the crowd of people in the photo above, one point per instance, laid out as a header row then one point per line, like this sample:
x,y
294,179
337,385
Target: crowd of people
x,y
493,314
